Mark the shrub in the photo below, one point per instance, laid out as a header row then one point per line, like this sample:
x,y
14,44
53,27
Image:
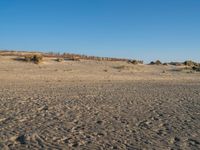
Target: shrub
x,y
157,62
140,61
37,59
33,58
152,63
175,63
28,58
165,64
59,59
196,68
135,62
71,59
190,63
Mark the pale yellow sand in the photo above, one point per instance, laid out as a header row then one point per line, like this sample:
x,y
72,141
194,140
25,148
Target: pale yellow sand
x,y
97,105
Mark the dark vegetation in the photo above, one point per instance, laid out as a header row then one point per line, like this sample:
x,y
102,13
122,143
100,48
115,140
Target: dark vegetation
x,y
165,64
196,68
33,58
77,57
135,62
157,62
176,63
65,56
190,63
37,57
59,59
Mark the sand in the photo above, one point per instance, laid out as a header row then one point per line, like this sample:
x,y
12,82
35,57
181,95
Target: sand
x,y
97,105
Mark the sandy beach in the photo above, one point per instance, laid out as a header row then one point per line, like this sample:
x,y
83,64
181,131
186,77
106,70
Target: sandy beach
x,y
91,104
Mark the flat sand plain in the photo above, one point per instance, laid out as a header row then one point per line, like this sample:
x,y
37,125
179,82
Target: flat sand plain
x,y
98,105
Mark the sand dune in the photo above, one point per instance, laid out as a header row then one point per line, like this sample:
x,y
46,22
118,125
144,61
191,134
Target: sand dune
x,y
98,105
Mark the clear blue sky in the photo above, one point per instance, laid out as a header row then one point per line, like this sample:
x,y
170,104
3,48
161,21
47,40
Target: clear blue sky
x,y
141,29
